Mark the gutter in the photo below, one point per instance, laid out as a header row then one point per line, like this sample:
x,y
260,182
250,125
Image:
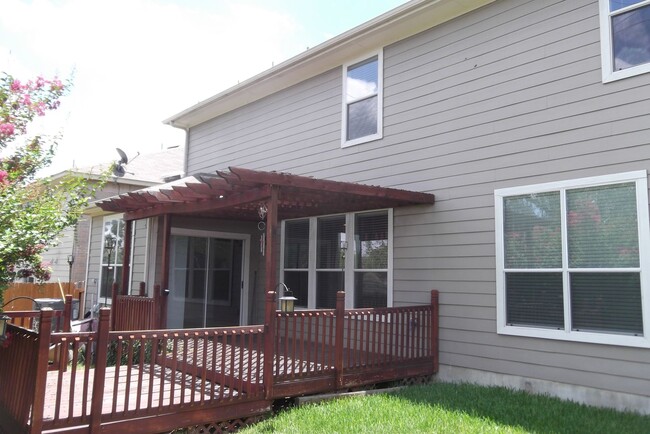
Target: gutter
x,y
400,23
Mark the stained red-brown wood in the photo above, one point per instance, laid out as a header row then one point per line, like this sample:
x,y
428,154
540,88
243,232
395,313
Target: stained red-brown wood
x,y
340,318
297,181
435,315
239,190
269,344
100,368
202,371
209,204
270,259
44,331
133,312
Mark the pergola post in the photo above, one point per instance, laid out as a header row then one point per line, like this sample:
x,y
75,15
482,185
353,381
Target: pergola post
x,y
271,261
270,284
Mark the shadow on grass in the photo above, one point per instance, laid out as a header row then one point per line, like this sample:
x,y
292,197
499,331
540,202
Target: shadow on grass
x,y
532,413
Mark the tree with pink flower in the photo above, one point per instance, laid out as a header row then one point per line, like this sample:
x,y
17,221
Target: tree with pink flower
x,y
33,211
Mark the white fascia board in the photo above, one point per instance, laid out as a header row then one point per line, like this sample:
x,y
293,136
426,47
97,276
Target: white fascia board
x,y
400,23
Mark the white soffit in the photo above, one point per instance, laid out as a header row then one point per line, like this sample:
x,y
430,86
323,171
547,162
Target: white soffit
x,y
397,24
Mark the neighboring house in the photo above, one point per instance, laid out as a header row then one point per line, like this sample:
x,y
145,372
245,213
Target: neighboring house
x,y
70,259
529,122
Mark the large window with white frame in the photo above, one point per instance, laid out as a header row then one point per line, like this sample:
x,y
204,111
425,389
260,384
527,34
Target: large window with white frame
x,y
112,255
362,100
625,38
572,260
350,252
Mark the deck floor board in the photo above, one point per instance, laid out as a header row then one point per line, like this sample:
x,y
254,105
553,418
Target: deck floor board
x,y
183,381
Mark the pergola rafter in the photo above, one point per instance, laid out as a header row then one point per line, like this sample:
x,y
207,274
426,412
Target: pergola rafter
x,y
237,195
240,190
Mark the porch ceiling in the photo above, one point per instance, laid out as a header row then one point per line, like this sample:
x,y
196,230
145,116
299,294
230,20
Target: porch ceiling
x,y
237,193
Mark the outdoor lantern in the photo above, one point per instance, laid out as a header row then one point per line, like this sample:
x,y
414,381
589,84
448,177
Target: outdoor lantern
x,y
3,326
287,301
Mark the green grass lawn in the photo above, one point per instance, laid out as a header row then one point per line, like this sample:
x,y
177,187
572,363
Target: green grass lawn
x,y
449,408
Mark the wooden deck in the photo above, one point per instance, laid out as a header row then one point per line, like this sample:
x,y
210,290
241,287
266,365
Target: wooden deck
x,y
175,382
159,380
164,387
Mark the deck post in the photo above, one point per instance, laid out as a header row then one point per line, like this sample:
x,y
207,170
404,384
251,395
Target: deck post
x,y
38,404
338,343
271,252
143,289
100,370
435,316
271,266
126,260
115,294
269,342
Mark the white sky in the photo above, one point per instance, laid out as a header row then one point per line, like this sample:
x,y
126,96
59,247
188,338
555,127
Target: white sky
x,y
137,62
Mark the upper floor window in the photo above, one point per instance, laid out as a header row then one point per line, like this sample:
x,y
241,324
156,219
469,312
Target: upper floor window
x,y
572,261
625,38
362,101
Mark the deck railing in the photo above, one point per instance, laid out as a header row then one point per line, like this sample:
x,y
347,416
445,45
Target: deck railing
x,y
17,376
138,312
304,343
149,373
107,379
324,350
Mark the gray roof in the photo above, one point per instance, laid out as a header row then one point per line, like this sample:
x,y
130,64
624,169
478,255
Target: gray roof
x,y
155,167
144,169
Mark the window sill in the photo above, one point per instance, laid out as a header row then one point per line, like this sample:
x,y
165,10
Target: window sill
x,y
609,77
586,337
360,140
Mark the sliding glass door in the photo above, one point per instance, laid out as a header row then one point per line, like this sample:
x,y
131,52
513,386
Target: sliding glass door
x,y
206,281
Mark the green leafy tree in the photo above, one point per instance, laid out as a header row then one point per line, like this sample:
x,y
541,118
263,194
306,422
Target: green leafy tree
x,y
33,211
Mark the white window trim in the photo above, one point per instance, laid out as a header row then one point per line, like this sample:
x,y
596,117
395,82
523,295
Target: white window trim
x,y
349,258
380,101
641,179
606,45
108,299
246,239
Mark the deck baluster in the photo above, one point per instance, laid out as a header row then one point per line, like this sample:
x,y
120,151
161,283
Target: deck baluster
x,y
100,370
340,319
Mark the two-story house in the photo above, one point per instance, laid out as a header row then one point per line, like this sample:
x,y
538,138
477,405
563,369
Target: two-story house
x,y
527,119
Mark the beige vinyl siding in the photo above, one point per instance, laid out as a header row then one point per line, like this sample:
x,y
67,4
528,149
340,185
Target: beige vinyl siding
x,y
508,95
57,256
94,258
139,255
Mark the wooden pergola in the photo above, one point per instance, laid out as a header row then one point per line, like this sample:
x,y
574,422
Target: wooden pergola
x,y
200,375
239,193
